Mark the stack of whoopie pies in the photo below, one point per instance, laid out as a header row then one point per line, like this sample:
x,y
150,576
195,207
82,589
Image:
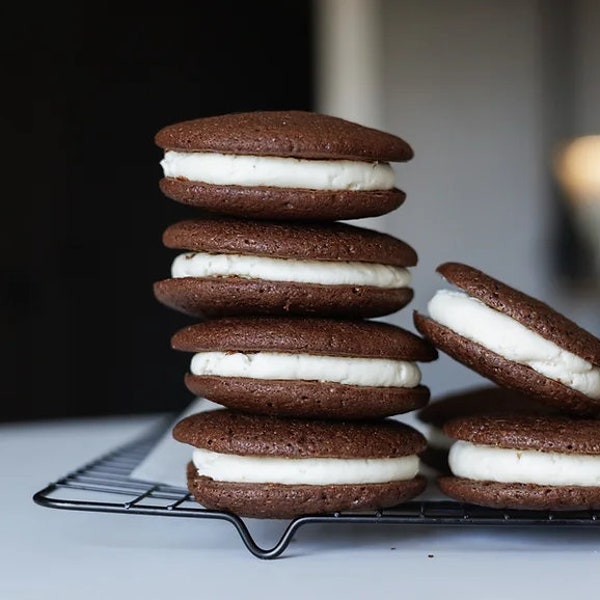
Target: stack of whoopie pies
x,y
531,441
282,298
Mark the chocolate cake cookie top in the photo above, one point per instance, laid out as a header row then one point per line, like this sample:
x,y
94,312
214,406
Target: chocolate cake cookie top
x,y
530,312
484,399
231,432
292,133
544,433
306,241
324,336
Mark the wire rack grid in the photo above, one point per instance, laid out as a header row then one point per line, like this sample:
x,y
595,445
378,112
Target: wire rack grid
x,y
105,485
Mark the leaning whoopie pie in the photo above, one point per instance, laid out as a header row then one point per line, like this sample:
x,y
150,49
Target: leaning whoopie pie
x,y
270,467
514,340
281,165
234,267
480,400
308,367
532,462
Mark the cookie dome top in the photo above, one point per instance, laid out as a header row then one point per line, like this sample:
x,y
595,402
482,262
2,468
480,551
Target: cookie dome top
x,y
291,133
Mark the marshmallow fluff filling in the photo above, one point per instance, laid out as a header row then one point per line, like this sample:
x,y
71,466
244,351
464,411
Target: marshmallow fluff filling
x,y
255,171
506,465
200,264
303,471
471,318
376,372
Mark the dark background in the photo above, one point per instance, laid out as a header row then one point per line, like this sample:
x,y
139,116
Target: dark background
x,y
83,215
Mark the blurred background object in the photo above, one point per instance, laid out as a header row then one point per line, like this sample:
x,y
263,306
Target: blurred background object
x,y
484,91
578,171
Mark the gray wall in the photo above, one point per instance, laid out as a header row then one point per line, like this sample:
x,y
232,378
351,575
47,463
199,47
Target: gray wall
x,y
587,63
466,83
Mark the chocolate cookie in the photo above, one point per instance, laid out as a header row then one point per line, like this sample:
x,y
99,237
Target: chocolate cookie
x,y
480,400
514,340
278,468
281,165
235,267
308,367
531,462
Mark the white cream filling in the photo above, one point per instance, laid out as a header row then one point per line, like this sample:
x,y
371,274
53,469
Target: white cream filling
x,y
200,264
273,171
303,471
488,463
503,335
378,372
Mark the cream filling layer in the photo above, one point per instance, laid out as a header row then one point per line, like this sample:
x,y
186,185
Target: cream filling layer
x,y
303,471
234,169
488,463
501,334
375,372
200,264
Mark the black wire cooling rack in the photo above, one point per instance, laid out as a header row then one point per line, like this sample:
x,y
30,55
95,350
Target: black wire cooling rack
x,y
105,485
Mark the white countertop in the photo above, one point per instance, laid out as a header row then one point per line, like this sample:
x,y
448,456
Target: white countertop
x,y
63,554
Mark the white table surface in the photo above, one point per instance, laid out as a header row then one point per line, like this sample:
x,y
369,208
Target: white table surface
x,y
50,554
